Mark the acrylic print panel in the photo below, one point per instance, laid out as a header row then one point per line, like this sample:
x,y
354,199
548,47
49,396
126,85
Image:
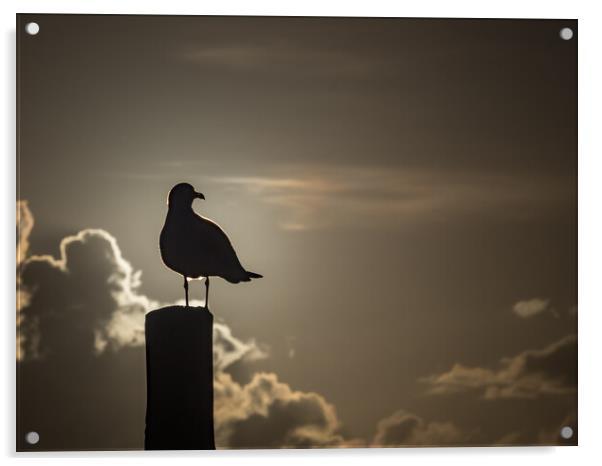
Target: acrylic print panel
x,y
393,262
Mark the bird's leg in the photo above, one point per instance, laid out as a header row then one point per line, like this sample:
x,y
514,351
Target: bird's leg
x,y
207,293
186,289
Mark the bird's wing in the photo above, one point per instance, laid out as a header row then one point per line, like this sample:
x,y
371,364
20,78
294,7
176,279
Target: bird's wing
x,y
216,244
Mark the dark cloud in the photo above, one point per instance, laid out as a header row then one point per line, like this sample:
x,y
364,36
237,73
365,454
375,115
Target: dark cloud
x,y
88,293
81,370
82,361
403,428
530,374
266,413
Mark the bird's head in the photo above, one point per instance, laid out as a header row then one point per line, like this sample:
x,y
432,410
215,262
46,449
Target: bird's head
x,y
182,195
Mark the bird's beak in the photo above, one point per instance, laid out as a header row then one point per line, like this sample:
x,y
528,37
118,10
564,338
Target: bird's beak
x,y
199,196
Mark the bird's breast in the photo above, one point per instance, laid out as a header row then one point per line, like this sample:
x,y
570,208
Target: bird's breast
x,y
182,247
172,246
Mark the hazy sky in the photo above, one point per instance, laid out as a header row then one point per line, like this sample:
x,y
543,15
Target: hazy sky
x,y
407,187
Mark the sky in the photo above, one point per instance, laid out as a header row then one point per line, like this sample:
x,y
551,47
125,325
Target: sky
x,y
407,187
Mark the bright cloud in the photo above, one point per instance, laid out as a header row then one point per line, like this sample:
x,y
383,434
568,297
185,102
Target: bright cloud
x,y
323,196
530,308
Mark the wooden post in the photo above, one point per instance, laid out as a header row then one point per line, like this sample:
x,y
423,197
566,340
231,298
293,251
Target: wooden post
x,y
179,379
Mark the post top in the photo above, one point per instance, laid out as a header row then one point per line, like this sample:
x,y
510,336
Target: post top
x,y
179,313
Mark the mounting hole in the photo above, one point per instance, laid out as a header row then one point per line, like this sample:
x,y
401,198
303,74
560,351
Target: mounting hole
x,y
566,33
32,28
32,437
566,432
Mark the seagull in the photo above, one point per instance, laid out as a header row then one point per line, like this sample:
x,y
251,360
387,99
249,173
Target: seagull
x,y
195,246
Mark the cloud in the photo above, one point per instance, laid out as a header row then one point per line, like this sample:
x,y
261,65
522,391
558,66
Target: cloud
x,y
530,308
228,350
266,413
85,317
91,280
403,428
530,374
24,227
89,292
295,60
320,196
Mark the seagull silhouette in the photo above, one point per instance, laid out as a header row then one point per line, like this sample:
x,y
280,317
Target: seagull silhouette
x,y
194,246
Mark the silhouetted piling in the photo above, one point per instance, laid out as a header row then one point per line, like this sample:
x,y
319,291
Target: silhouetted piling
x,y
179,379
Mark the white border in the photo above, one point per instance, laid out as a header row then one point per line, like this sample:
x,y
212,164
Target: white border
x,y
590,226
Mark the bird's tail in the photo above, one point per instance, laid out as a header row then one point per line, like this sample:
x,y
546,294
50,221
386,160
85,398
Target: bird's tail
x,y
253,275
